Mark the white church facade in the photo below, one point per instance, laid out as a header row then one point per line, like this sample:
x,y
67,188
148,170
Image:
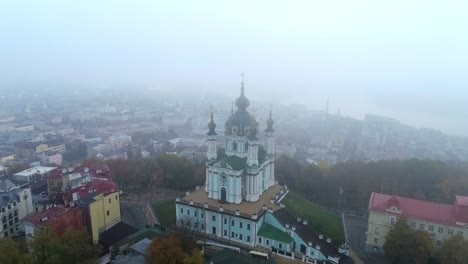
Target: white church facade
x,y
241,201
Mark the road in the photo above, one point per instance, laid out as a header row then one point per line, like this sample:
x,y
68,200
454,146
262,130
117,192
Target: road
x,y
356,227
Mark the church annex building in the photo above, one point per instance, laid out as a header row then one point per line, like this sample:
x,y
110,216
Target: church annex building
x,y
240,202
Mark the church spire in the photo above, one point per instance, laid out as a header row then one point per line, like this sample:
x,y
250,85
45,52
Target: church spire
x,y
242,102
211,125
270,123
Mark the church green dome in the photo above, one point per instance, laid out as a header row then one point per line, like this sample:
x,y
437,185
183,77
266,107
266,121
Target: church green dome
x,y
241,122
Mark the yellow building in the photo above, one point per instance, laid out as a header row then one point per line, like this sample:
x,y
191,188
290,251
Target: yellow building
x,y
440,221
6,157
101,212
41,148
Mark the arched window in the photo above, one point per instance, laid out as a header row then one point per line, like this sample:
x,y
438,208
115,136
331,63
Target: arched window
x,y
234,146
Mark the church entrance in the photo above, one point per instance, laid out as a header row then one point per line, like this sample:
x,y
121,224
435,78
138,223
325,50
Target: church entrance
x,y
223,195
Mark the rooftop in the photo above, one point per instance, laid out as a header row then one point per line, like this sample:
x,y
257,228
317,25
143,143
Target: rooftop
x,y
116,233
246,209
269,231
35,170
50,216
418,209
149,233
95,186
141,246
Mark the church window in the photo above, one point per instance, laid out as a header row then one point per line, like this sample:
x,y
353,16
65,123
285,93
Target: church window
x,y
181,210
213,218
234,146
240,236
240,224
225,221
248,226
225,232
188,212
232,222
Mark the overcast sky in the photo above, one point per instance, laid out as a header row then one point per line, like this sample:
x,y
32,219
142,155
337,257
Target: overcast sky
x,y
405,59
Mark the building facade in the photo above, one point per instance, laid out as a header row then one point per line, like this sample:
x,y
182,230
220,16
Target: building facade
x,y
101,211
441,221
240,202
16,204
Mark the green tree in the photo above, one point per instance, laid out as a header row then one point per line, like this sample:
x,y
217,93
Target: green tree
x,y
404,245
13,252
49,247
195,258
454,251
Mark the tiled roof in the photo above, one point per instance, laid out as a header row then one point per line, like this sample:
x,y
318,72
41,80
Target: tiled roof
x,y
60,217
418,209
305,232
96,185
269,231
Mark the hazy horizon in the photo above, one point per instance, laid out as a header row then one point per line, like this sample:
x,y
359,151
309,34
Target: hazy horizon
x,y
406,60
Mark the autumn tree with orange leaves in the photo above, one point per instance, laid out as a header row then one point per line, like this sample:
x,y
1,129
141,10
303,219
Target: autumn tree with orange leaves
x,y
174,249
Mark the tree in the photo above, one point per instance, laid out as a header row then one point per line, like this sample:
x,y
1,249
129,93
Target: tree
x,y
454,251
195,258
49,247
404,245
175,249
12,252
166,250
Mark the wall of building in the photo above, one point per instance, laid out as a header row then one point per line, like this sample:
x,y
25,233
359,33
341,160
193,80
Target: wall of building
x,y
379,225
104,213
226,226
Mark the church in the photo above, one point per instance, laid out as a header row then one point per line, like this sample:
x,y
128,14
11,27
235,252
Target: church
x,y
240,203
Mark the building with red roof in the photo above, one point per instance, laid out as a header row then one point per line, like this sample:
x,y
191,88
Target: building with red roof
x,y
59,217
441,221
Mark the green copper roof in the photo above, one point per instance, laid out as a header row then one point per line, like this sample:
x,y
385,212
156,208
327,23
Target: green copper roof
x,y
236,162
274,233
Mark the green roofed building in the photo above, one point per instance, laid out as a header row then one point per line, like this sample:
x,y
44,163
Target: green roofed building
x,y
241,201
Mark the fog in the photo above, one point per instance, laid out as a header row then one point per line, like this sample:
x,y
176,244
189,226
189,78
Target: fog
x,y
404,59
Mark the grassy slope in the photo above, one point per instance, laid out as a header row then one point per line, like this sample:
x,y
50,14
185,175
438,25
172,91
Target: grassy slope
x,y
320,219
165,211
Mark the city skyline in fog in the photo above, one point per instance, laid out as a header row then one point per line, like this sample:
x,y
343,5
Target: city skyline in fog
x,y
405,60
